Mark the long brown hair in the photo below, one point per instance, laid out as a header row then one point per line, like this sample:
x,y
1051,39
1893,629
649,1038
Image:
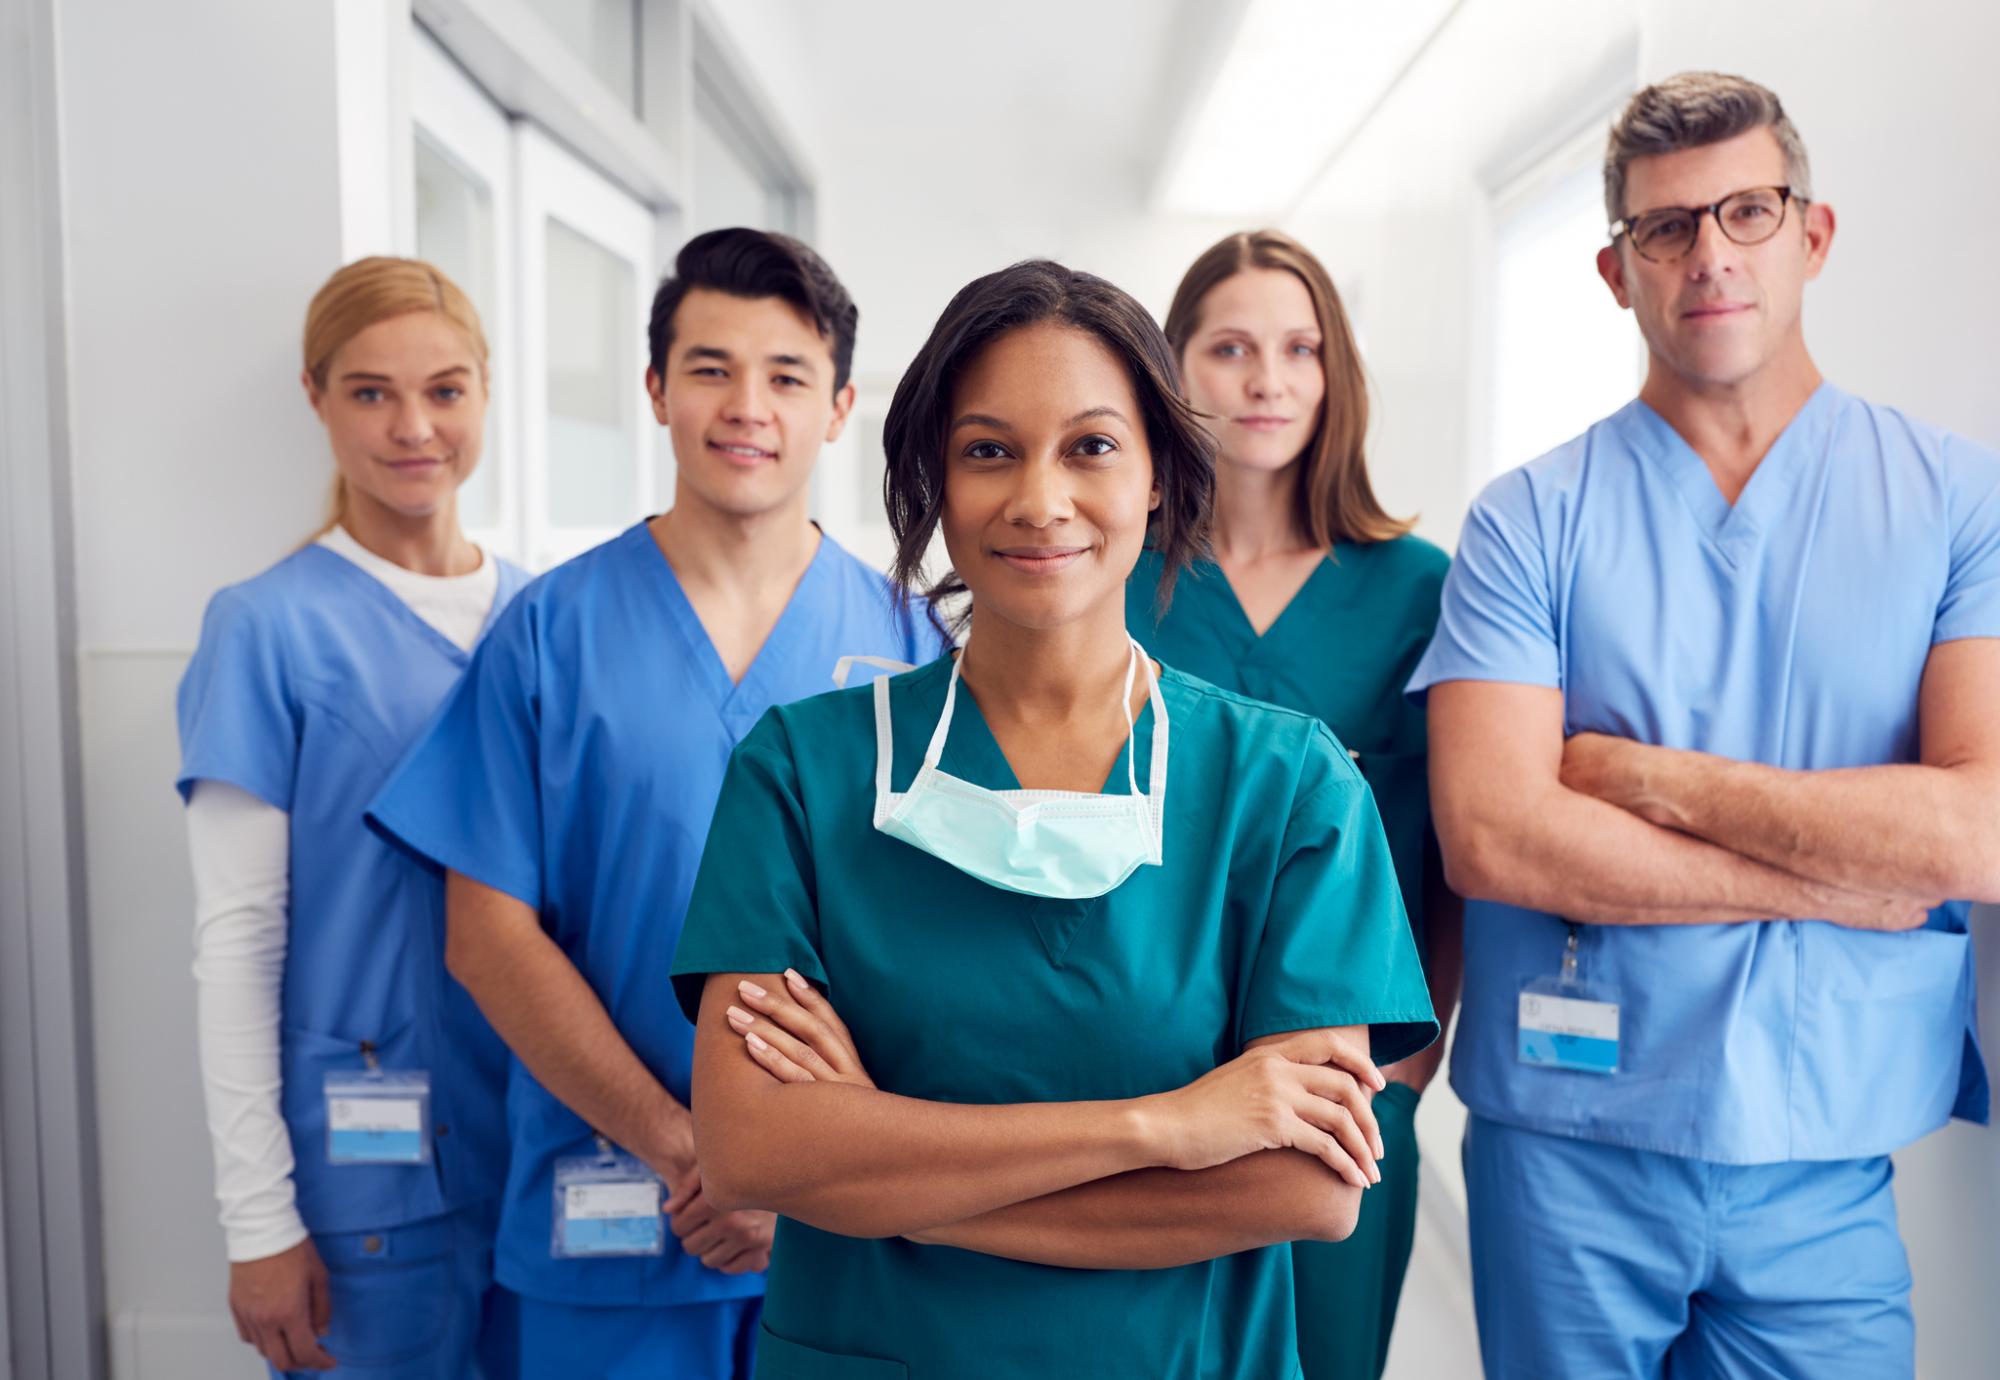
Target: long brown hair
x,y
371,290
1336,501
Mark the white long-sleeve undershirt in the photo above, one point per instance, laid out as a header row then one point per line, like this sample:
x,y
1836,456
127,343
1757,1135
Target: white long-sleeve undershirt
x,y
240,847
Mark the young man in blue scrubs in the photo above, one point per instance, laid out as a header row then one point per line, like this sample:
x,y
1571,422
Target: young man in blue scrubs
x,y
1715,726
566,790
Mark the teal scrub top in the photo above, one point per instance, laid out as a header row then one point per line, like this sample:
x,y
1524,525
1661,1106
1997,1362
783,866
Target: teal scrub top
x,y
1275,909
1342,651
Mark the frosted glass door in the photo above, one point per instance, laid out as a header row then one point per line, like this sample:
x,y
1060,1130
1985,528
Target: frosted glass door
x,y
464,159
587,282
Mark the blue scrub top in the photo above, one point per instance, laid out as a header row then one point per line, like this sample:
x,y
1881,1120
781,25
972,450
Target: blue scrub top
x,y
309,683
575,769
1790,629
1275,909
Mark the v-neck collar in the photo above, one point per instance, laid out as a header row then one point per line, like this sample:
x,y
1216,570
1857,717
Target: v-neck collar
x,y
972,753
1735,530
1210,577
768,678
384,597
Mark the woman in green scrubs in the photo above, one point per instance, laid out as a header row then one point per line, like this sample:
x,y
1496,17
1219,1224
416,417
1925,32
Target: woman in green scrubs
x,y
1118,951
1318,601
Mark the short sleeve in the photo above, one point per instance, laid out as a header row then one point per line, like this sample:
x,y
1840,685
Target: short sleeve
x,y
239,722
1336,948
467,797
1971,603
748,916
1496,620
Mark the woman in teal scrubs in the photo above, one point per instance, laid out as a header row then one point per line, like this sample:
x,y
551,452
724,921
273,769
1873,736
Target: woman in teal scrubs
x,y
1118,951
1319,601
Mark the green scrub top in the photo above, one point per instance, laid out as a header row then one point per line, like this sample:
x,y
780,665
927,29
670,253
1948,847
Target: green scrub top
x,y
1275,909
1341,651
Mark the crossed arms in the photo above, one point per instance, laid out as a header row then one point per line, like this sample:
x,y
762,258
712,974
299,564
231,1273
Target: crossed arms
x,y
1273,1146
1604,830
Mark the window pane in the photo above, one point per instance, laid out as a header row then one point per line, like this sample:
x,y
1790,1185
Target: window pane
x,y
455,232
1565,355
593,379
603,33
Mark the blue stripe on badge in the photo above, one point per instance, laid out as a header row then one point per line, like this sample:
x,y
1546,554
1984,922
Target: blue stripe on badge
x,y
376,1147
1581,1053
613,1235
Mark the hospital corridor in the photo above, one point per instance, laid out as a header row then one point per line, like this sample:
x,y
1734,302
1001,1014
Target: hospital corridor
x,y
596,598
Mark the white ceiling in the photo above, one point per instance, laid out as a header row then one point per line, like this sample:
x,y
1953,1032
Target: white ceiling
x,y
1062,91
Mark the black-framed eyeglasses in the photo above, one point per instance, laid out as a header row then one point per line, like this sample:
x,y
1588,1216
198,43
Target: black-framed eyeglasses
x,y
1750,216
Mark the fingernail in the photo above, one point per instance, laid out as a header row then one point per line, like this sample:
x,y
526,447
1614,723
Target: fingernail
x,y
738,1016
755,1040
796,981
749,988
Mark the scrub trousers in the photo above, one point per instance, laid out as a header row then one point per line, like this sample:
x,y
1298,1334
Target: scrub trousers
x,y
1347,1290
417,1302
716,1340
1597,1260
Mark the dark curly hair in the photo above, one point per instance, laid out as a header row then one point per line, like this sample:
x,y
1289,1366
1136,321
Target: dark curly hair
x,y
1029,293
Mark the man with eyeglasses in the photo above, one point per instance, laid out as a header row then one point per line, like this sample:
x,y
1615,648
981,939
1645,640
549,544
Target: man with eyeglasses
x,y
1715,725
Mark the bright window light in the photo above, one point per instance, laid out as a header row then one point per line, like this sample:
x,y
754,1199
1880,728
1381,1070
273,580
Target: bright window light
x,y
1297,79
1564,355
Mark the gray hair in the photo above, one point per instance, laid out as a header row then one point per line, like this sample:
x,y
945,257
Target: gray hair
x,y
1688,111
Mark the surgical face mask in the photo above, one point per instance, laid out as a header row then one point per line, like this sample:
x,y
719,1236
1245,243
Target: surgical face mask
x,y
1068,845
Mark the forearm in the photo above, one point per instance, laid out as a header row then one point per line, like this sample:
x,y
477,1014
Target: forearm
x,y
1905,830
867,1163
1153,1219
861,1162
547,1013
1590,861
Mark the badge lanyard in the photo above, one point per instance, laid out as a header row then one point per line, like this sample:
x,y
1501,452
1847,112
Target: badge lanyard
x,y
1564,1023
377,1115
606,1204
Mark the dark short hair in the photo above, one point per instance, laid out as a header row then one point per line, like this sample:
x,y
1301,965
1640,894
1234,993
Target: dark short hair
x,y
918,425
757,263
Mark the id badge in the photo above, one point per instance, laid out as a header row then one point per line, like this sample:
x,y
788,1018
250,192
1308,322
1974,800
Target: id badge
x,y
1564,1025
378,1116
607,1204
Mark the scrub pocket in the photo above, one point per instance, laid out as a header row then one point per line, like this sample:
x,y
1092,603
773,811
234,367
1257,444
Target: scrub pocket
x,y
778,1359
395,1296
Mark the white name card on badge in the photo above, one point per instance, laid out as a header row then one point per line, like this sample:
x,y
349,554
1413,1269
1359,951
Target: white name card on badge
x,y
1575,1033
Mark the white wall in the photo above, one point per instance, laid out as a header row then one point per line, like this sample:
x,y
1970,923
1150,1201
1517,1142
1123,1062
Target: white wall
x,y
202,176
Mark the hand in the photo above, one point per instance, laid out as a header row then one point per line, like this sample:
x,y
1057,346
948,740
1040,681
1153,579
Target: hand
x,y
1283,1096
1612,770
796,1036
282,1306
736,1243
1856,910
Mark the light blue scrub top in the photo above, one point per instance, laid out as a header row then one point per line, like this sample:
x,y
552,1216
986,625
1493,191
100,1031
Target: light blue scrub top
x,y
1791,629
1275,909
575,769
309,683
